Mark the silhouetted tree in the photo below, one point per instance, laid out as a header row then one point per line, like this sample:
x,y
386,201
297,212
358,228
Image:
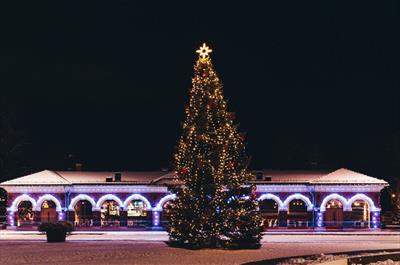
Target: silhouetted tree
x,y
13,145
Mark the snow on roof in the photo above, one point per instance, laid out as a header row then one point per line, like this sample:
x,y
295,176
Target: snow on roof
x,y
344,175
79,177
47,177
291,176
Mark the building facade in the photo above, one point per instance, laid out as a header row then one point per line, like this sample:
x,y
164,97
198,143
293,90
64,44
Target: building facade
x,y
137,200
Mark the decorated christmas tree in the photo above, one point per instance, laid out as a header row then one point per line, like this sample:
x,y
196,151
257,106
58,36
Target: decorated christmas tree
x,y
213,206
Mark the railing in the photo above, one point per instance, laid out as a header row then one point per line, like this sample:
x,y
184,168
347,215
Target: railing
x,y
347,224
297,223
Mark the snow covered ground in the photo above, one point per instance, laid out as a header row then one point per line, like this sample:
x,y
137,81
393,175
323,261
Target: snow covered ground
x,y
149,248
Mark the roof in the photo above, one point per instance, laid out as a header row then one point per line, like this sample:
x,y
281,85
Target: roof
x,y
45,177
292,176
48,177
344,175
340,176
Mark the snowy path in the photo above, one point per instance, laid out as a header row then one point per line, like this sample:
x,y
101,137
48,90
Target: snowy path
x,y
162,236
87,249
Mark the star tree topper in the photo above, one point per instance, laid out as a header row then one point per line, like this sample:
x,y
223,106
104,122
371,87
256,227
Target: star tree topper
x,y
203,51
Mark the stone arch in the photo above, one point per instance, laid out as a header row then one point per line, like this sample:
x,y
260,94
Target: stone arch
x,y
270,196
48,197
81,197
23,197
137,197
108,197
333,196
169,197
363,197
298,196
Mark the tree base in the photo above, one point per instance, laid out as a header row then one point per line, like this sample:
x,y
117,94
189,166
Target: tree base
x,y
220,244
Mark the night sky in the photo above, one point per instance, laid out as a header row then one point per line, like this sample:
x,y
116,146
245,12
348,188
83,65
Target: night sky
x,y
107,81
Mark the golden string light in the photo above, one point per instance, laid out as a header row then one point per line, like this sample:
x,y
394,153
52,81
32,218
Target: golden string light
x,y
210,148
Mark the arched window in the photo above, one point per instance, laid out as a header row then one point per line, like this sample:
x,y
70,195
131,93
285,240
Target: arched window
x,y
25,214
110,213
269,210
334,213
83,215
136,208
297,214
297,206
48,212
137,213
269,206
360,214
3,205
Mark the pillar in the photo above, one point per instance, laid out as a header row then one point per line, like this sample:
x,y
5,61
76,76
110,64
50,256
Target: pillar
x,y
11,219
61,216
375,220
282,218
318,219
155,218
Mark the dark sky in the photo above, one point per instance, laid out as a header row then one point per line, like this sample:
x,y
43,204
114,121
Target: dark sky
x,y
107,81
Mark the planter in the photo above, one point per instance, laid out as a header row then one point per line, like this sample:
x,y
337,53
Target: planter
x,y
55,236
56,232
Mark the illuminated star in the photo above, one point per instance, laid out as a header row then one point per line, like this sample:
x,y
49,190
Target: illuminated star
x,y
203,51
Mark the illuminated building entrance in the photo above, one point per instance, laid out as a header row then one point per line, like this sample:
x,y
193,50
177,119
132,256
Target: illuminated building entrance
x,y
25,214
110,213
48,213
334,214
137,214
297,214
360,214
83,216
339,199
269,212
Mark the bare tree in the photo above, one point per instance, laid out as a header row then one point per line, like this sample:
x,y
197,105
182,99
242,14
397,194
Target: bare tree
x,y
13,146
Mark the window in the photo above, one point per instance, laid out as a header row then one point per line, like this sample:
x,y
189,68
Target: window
x,y
136,208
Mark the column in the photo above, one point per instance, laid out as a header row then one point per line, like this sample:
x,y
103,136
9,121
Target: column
x,y
11,219
318,219
61,216
375,220
156,218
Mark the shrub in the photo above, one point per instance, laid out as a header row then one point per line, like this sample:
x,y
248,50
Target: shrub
x,y
61,226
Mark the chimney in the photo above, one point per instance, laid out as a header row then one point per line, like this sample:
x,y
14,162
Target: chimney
x,y
109,179
78,166
117,177
259,175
